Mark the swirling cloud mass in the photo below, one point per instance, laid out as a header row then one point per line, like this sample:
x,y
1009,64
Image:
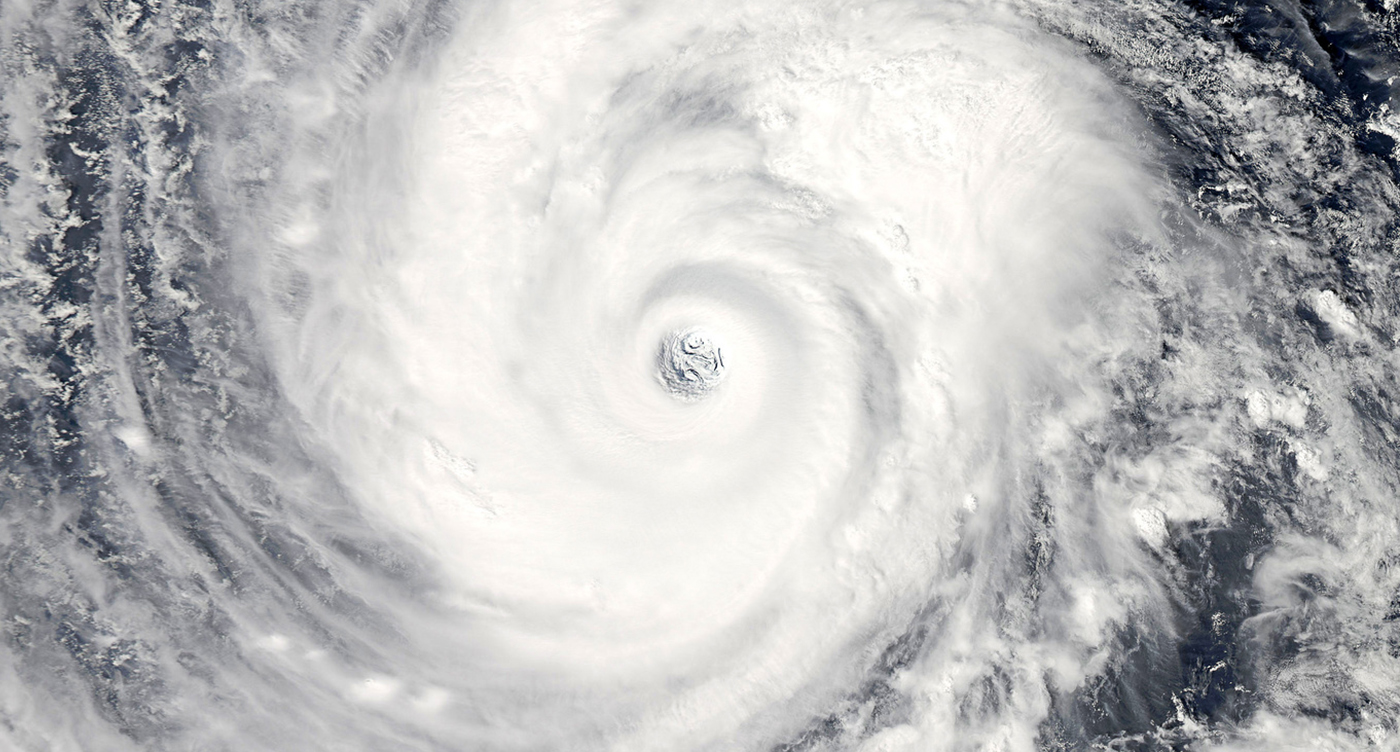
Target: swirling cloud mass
x,y
419,375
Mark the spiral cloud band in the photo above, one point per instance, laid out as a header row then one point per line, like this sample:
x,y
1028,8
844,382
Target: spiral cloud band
x,y
699,376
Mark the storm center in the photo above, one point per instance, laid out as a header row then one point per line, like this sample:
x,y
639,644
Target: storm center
x,y
689,364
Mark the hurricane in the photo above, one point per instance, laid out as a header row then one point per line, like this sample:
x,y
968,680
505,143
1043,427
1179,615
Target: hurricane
x,y
778,375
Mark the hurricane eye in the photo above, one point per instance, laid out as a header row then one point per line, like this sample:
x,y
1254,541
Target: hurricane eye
x,y
689,364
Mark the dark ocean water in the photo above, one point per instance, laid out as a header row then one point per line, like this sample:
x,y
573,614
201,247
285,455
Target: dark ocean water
x,y
1060,408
